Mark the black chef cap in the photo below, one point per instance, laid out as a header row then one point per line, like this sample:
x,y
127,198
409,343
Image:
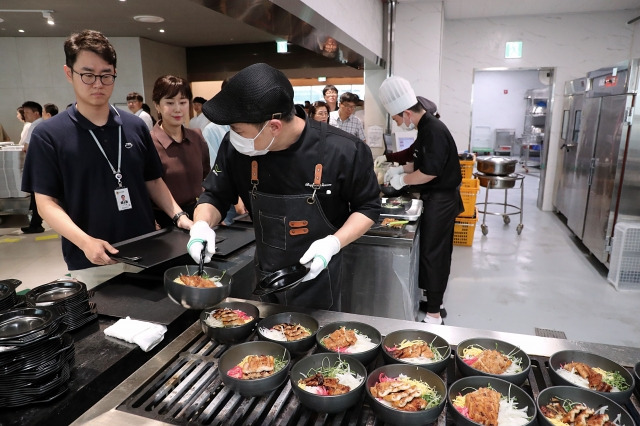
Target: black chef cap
x,y
256,94
428,105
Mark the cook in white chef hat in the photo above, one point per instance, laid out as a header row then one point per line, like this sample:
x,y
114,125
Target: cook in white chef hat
x,y
397,95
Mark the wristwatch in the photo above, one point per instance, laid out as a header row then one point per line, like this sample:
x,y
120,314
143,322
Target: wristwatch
x,y
176,217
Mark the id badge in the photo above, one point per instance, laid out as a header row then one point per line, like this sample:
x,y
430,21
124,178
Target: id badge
x,y
122,199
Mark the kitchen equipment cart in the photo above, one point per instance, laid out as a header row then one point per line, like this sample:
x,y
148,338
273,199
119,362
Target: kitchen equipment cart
x,y
506,183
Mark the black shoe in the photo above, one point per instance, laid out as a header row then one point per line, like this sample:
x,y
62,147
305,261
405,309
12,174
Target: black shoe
x,y
423,307
34,230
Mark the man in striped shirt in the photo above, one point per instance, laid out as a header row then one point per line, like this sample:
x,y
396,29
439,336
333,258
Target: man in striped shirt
x,y
344,118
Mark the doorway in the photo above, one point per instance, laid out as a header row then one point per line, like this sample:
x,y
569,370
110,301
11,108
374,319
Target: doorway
x,y
511,116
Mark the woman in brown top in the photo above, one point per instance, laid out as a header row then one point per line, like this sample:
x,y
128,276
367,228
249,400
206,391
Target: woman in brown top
x,y
183,152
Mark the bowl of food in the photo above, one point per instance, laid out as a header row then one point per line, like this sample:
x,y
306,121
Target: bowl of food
x,y
389,191
416,347
397,205
293,330
328,382
254,368
591,371
406,394
484,400
558,404
357,339
492,358
185,287
229,322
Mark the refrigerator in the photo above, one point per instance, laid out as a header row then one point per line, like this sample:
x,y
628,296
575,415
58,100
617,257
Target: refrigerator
x,y
605,186
574,91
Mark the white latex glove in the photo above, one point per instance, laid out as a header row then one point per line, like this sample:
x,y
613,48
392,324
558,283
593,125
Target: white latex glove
x,y
391,172
397,181
380,160
201,232
320,253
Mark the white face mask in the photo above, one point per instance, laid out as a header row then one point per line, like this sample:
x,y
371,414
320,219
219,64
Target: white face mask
x,y
405,126
246,146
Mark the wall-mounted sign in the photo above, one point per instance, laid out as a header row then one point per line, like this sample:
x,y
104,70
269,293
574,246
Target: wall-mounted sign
x,y
513,50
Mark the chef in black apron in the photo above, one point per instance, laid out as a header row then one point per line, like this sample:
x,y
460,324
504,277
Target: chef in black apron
x,y
310,188
436,174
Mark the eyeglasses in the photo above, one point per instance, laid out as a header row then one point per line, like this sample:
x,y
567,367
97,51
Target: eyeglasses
x,y
322,113
350,107
90,78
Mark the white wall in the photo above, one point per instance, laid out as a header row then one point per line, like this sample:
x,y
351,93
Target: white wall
x,y
158,59
573,44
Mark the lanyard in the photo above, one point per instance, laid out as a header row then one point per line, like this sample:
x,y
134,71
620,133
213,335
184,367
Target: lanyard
x,y
116,173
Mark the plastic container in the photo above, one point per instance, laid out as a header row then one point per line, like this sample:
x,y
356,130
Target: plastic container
x,y
466,167
469,191
464,229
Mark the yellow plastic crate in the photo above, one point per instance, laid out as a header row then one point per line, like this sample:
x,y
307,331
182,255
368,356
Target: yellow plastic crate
x,y
468,191
466,167
464,229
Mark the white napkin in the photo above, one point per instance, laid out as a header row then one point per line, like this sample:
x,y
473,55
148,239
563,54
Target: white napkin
x,y
144,334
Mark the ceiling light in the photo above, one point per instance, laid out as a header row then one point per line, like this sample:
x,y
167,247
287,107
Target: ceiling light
x,y
148,19
321,79
20,31
48,17
1,20
161,30
46,14
281,47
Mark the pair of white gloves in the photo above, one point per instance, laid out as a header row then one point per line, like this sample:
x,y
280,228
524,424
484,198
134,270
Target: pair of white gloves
x,y
319,252
394,175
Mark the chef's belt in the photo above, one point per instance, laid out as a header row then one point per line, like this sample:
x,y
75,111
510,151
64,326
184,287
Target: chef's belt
x,y
285,227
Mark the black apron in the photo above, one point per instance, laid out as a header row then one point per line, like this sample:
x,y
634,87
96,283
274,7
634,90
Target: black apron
x,y
285,227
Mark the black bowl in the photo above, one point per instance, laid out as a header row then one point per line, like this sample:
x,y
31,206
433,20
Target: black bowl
x,y
296,347
469,384
253,387
406,418
194,297
500,346
232,334
328,403
561,358
591,399
281,280
396,337
364,357
390,191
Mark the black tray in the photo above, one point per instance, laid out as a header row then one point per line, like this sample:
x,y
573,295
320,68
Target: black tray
x,y
167,244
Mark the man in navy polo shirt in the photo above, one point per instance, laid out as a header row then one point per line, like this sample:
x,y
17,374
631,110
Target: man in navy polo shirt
x,y
84,161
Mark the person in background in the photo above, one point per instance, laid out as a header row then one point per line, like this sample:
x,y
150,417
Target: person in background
x,y
32,114
273,157
406,155
84,159
319,111
436,174
199,121
183,152
4,137
330,94
49,110
25,126
214,133
344,118
147,109
134,103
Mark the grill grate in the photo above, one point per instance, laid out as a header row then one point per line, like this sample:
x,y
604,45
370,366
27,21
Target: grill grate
x,y
189,390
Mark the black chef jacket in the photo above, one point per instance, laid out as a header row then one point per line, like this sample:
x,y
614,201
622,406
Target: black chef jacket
x,y
349,183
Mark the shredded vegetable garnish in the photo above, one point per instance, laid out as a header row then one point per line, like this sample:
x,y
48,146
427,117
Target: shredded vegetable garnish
x,y
508,412
437,355
427,393
341,371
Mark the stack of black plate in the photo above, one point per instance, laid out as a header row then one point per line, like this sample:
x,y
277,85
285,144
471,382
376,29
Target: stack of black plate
x,y
69,295
36,356
8,297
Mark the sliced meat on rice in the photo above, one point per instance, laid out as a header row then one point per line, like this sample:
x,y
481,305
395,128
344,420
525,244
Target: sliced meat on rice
x,y
341,338
483,405
492,362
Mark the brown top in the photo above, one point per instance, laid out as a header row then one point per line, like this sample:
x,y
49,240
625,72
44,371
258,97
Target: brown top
x,y
185,163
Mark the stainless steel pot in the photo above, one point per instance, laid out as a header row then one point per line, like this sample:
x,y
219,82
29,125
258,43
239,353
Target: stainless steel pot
x,y
496,182
497,166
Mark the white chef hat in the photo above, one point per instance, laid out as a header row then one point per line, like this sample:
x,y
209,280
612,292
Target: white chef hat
x,y
397,95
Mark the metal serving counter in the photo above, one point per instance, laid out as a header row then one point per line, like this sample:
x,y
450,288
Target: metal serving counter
x,y
12,199
181,385
380,275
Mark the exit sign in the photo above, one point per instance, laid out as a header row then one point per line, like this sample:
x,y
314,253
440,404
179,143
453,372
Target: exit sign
x,y
513,50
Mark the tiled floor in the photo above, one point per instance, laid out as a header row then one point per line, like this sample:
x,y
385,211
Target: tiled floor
x,y
504,282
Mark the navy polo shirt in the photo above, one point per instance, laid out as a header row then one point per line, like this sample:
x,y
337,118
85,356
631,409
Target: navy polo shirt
x,y
64,162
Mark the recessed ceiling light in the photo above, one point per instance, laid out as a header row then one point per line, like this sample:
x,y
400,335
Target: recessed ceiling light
x,y
149,19
161,30
1,20
20,31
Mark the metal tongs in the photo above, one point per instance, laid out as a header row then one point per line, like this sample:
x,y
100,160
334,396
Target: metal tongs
x,y
201,264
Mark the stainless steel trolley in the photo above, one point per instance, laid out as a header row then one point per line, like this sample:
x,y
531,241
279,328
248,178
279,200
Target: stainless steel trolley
x,y
500,182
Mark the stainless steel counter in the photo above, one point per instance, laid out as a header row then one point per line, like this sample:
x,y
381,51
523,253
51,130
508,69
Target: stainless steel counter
x,y
105,412
12,199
